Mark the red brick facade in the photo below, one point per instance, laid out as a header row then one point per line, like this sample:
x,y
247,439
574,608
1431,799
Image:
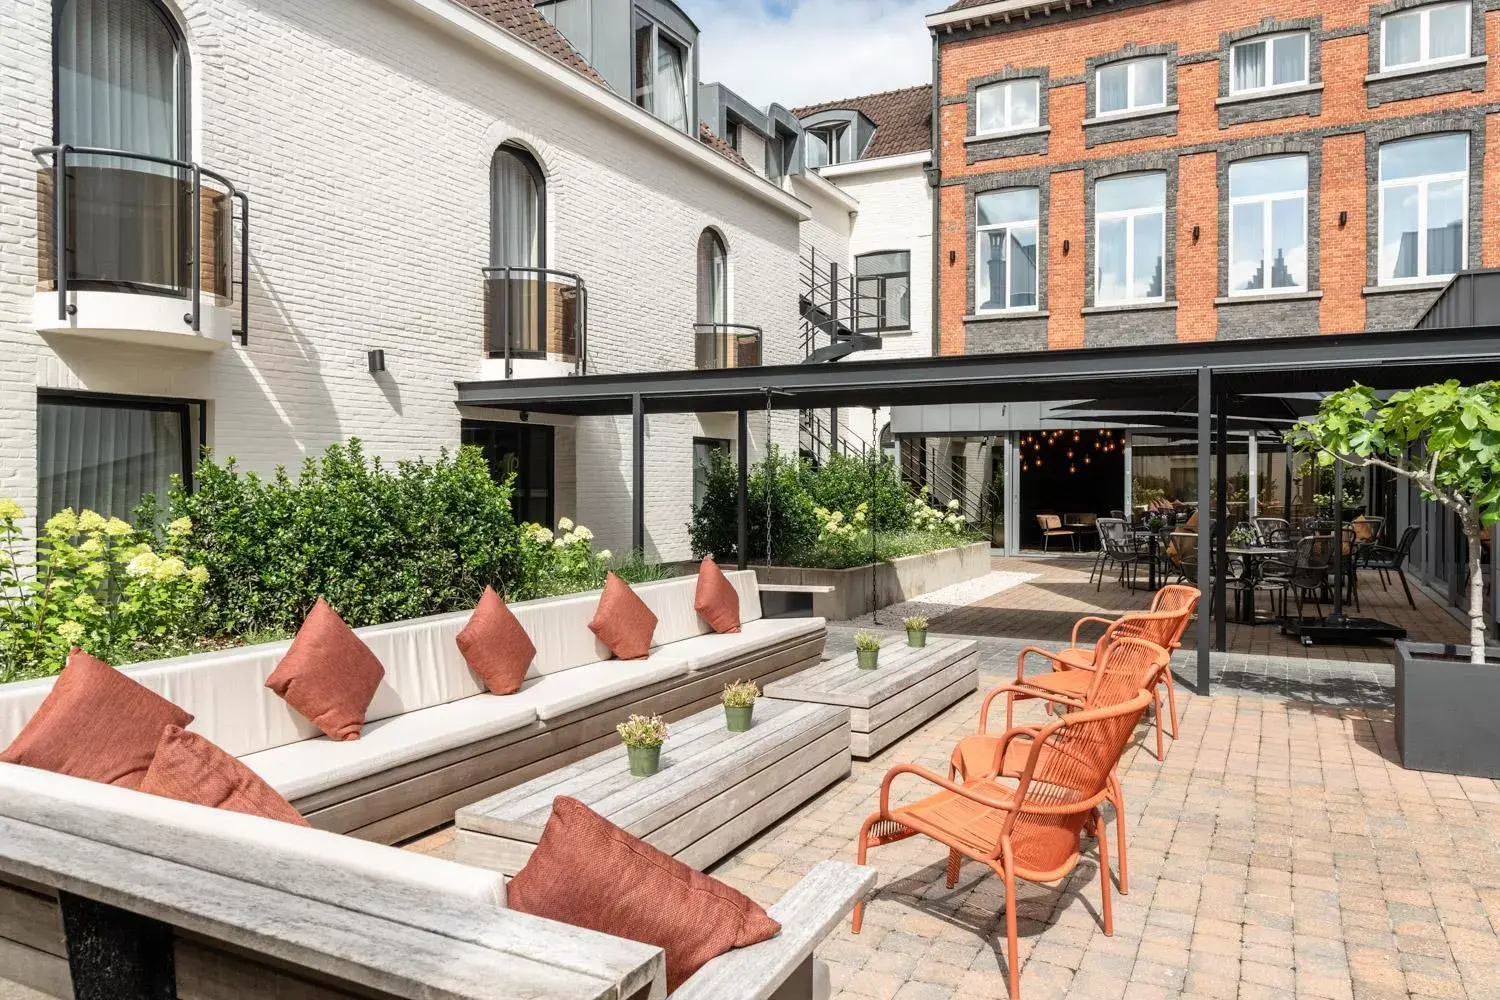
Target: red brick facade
x,y
1063,42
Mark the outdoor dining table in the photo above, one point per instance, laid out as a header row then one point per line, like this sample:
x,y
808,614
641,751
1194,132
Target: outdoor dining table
x,y
1254,555
1153,549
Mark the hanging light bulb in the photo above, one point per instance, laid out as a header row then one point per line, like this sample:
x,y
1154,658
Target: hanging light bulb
x,y
1073,469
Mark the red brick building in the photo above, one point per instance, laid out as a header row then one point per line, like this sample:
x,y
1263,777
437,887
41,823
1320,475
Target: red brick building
x,y
1143,171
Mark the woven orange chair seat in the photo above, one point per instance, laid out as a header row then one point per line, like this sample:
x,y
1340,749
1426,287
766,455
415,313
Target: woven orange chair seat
x,y
1076,657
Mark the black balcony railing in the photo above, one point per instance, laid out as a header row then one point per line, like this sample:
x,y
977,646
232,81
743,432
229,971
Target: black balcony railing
x,y
144,224
727,345
536,312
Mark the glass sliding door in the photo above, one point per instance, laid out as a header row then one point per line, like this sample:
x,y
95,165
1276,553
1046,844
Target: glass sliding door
x,y
105,453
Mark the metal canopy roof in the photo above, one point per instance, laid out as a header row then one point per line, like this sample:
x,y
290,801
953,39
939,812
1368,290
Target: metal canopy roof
x,y
1384,360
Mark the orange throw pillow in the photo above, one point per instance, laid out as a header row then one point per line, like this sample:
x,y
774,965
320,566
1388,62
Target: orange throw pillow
x,y
95,723
588,872
189,768
623,622
328,675
717,602
496,646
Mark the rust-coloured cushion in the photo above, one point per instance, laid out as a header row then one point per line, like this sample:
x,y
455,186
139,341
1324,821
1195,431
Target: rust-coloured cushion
x,y
588,872
189,768
496,646
328,675
623,622
95,723
716,601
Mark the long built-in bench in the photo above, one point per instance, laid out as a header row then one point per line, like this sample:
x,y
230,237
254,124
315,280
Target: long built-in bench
x,y
435,740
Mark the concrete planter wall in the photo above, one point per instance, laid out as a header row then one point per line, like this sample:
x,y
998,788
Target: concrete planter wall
x,y
1446,718
893,582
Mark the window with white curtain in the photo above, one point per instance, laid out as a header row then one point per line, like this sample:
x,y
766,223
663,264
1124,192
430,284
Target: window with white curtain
x,y
661,73
1268,62
1005,276
1008,106
1431,34
518,228
1130,233
1132,85
105,454
1268,225
1424,207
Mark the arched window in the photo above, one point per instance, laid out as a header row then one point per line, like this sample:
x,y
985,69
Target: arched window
x,y
121,77
518,240
713,279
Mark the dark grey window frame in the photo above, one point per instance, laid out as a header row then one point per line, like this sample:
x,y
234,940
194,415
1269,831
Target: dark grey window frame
x,y
1383,86
1137,123
724,446
1277,102
882,327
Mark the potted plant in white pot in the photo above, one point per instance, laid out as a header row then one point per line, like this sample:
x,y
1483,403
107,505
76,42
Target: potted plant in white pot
x,y
1446,439
739,705
643,736
916,631
867,650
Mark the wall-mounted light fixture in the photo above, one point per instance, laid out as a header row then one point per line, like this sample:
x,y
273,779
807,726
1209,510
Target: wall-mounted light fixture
x,y
1343,219
1066,247
377,362
952,257
1196,233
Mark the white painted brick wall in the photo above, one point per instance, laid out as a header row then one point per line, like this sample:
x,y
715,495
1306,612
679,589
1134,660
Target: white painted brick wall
x,y
364,138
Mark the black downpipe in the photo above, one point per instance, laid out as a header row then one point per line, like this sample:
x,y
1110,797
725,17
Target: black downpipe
x,y
935,181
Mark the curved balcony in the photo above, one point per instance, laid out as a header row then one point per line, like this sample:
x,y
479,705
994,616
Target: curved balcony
x,y
149,251
536,322
727,345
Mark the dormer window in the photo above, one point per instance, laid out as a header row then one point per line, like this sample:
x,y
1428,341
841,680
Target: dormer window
x,y
661,73
824,145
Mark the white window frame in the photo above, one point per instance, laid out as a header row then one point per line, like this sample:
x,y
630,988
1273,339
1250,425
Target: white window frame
x,y
1268,202
1422,184
1424,16
1130,215
1268,41
832,136
1130,66
981,232
1007,86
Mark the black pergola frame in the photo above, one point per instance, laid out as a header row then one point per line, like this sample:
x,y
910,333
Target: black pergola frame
x,y
1214,373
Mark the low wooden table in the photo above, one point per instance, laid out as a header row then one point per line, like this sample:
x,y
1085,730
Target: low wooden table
x,y
909,687
715,789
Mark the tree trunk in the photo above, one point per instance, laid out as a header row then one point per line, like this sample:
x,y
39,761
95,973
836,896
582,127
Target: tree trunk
x,y
1471,523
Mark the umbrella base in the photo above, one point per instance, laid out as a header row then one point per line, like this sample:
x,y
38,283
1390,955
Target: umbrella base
x,y
1340,630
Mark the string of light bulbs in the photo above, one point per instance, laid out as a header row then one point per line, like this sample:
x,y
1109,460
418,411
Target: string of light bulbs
x,y
1073,448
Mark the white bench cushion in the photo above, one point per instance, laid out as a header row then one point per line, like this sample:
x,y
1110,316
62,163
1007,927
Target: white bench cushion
x,y
567,691
297,770
302,861
705,652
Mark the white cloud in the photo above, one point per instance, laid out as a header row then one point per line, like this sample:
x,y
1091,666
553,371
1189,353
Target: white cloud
x,y
798,53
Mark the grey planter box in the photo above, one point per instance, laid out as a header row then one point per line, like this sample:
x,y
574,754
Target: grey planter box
x,y
894,581
1447,710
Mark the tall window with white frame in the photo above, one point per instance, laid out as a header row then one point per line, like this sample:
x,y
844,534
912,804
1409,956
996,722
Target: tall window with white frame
x,y
662,71
1268,63
1007,107
1268,225
1130,238
1131,85
1434,33
1005,275
1424,208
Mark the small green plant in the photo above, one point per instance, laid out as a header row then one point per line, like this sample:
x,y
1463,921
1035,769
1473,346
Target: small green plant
x,y
740,694
645,732
866,642
1243,535
916,623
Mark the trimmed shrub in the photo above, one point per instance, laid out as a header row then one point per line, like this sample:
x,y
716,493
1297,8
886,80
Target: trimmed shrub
x,y
794,526
844,481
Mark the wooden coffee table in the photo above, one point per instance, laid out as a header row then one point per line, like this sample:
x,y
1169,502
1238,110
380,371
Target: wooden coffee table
x,y
909,687
715,789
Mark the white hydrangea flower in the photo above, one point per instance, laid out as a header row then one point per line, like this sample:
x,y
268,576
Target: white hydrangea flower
x,y
143,565
542,534
71,632
91,521
199,575
580,532
604,555
10,510
566,524
169,568
181,526
116,528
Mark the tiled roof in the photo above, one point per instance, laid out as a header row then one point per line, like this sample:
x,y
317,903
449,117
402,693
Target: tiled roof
x,y
521,19
903,119
720,146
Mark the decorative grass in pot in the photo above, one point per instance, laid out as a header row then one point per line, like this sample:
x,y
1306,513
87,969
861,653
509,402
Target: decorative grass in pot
x,y
739,705
867,650
916,631
643,736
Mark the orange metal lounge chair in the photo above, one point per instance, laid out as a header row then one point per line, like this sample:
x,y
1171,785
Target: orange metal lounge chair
x,y
1129,665
1032,831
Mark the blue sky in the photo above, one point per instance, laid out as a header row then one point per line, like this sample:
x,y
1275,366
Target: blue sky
x,y
804,51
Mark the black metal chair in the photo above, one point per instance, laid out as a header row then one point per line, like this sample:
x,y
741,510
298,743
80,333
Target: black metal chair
x,y
1119,547
1308,573
1273,530
1386,560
